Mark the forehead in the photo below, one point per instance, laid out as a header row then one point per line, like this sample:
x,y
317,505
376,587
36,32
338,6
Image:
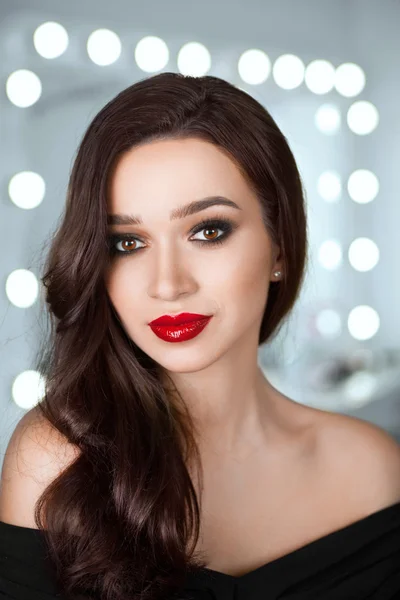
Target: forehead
x,y
174,171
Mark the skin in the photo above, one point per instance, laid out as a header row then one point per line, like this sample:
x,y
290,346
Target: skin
x,y
236,409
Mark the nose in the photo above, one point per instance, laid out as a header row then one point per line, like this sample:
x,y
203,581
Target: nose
x,y
171,276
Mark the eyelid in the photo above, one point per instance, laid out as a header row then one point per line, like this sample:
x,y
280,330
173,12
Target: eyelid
x,y
217,220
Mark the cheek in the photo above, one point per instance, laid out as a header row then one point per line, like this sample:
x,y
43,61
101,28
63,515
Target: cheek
x,y
122,289
247,285
246,271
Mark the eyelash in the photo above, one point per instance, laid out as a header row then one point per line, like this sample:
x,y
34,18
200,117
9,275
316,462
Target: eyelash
x,y
226,225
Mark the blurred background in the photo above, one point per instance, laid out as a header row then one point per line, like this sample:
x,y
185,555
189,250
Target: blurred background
x,y
328,72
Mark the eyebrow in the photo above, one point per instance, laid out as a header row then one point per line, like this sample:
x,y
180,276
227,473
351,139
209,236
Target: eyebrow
x,y
177,213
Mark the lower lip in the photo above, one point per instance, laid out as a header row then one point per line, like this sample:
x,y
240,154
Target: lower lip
x,y
180,333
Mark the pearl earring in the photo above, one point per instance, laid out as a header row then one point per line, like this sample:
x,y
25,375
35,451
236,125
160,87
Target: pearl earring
x,y
277,273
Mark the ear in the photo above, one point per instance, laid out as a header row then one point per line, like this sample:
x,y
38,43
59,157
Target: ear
x,y
277,264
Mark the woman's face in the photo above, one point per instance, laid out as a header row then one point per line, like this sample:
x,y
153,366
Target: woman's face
x,y
170,266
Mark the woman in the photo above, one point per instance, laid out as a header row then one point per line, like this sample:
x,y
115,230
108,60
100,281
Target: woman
x,y
183,471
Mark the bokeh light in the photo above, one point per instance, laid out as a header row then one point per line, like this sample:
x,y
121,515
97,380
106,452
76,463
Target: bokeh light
x,y
288,71
23,88
50,40
22,288
328,119
363,322
254,66
330,255
27,389
103,47
151,54
363,254
194,59
363,186
329,186
349,79
320,76
26,189
362,117
328,323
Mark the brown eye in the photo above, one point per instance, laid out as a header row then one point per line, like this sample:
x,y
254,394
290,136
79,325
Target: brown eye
x,y
211,233
128,245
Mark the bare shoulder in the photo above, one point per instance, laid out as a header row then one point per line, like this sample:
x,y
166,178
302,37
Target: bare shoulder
x,y
363,457
36,454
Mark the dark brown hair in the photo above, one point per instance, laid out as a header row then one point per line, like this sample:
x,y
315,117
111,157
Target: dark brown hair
x,y
122,521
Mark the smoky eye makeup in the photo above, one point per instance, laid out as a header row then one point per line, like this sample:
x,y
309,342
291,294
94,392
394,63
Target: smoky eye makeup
x,y
221,228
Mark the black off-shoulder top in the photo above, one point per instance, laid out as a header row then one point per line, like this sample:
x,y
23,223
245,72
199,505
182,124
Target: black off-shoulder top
x,y
358,562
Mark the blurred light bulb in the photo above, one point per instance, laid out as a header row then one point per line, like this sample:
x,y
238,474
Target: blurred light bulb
x,y
50,40
254,66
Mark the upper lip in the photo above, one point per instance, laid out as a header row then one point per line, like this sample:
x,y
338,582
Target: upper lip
x,y
177,319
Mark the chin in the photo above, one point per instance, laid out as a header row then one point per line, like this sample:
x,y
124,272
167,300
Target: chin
x,y
178,358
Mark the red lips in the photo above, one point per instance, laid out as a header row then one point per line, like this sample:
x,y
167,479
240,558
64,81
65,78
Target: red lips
x,y
178,319
179,328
